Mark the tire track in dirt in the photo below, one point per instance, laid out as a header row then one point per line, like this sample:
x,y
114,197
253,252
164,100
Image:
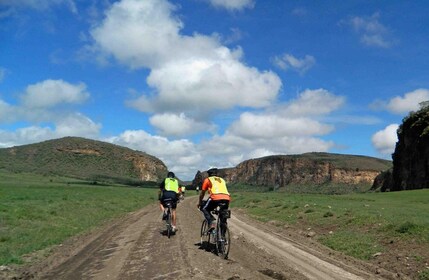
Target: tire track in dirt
x,y
107,249
308,264
134,247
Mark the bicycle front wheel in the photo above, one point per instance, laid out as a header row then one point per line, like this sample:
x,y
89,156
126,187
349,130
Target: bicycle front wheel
x,y
223,242
204,235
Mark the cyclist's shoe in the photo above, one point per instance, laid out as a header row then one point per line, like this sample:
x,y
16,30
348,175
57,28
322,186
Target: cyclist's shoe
x,y
174,228
212,228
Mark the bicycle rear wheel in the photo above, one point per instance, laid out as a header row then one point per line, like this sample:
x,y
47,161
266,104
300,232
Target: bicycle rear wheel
x,y
169,226
223,242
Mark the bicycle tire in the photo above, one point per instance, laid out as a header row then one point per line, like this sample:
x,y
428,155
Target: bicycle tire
x,y
169,226
223,241
205,238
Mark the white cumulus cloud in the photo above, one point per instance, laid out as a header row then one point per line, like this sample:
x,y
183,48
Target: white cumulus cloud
x,y
269,126
200,75
385,140
181,156
290,128
371,31
44,102
178,125
50,93
232,5
288,61
69,125
409,102
77,125
313,103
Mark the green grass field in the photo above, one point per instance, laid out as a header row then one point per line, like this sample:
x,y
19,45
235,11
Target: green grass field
x,y
356,224
37,212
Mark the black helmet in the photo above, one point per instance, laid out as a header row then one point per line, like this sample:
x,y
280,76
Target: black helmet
x,y
212,172
170,174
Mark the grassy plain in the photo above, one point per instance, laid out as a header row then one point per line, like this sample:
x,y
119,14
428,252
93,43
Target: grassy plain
x,y
362,225
37,212
355,218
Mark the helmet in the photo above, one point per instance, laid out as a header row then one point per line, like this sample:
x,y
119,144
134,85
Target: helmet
x,y
170,174
212,171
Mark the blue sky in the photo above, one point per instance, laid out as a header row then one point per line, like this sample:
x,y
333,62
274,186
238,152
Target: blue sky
x,y
211,83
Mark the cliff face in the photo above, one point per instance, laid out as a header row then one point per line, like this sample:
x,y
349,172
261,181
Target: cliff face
x,y
411,156
148,168
314,168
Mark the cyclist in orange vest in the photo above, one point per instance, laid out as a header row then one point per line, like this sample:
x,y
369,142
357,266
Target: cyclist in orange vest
x,y
169,191
218,191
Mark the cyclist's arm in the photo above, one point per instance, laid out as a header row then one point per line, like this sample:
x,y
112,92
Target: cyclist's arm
x,y
205,186
200,200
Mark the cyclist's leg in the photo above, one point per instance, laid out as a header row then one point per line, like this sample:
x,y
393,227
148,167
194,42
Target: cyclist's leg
x,y
213,205
206,209
224,205
167,196
162,206
161,199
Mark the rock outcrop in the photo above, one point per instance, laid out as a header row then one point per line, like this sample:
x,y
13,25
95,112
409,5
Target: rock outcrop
x,y
312,168
411,157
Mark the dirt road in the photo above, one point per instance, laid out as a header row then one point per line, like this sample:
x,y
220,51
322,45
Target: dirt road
x,y
134,248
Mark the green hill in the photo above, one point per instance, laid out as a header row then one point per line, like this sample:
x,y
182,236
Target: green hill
x,y
84,159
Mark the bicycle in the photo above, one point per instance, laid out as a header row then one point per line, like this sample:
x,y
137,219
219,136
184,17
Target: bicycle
x,y
168,218
220,235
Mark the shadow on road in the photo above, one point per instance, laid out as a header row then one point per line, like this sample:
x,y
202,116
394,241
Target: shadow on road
x,y
164,232
206,246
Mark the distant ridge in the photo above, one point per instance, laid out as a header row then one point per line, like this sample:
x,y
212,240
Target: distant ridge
x,y
347,161
311,169
85,159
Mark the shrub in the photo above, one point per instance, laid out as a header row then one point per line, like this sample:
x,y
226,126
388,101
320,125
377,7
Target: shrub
x,y
328,214
407,227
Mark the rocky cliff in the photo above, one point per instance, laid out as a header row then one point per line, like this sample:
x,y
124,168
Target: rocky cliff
x,y
411,157
83,158
312,168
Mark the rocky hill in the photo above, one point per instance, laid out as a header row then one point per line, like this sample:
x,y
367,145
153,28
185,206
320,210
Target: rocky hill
x,y
411,157
85,159
310,168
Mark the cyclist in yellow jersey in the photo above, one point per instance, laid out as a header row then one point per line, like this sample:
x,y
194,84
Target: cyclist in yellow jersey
x,y
169,191
218,191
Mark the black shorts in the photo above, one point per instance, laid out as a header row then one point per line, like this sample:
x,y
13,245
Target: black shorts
x,y
210,204
169,196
